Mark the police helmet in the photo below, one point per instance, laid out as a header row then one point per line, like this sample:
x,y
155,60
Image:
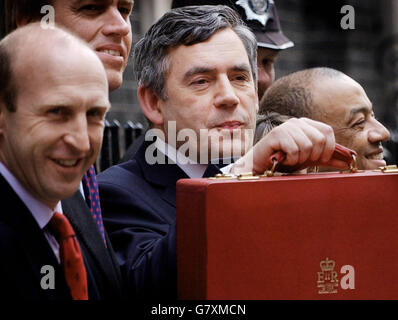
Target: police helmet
x,y
259,15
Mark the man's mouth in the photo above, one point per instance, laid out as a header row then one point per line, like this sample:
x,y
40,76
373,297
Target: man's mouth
x,y
111,52
376,156
229,125
66,163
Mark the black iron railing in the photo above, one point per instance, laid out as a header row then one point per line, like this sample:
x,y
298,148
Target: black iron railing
x,y
112,146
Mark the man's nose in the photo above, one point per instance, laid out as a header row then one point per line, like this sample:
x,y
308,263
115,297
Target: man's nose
x,y
77,135
115,23
378,132
226,96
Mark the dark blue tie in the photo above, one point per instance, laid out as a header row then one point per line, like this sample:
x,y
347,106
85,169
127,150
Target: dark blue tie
x,y
211,171
90,187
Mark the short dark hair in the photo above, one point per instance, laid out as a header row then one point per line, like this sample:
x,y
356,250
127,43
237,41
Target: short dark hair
x,y
8,89
13,11
185,26
291,95
22,9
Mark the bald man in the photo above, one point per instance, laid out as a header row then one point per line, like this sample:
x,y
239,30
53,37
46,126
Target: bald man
x,y
105,26
332,97
52,109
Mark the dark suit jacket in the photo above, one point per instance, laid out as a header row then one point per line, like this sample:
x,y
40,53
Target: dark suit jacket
x,y
133,148
24,250
139,210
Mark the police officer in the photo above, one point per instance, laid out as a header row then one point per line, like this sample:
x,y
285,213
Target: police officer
x,y
262,18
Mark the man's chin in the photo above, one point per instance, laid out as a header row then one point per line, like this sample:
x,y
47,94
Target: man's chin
x,y
115,79
370,164
68,191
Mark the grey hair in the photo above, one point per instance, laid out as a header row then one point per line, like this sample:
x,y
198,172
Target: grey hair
x,y
185,26
266,122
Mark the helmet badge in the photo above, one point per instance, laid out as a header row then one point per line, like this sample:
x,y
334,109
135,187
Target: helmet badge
x,y
257,9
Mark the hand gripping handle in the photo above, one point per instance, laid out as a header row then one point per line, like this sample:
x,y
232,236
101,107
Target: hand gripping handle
x,y
340,153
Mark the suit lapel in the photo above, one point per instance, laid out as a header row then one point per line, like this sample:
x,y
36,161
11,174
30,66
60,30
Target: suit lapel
x,y
87,232
163,175
33,242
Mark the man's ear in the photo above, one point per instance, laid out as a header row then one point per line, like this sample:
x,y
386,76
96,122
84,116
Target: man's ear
x,y
150,105
22,20
2,118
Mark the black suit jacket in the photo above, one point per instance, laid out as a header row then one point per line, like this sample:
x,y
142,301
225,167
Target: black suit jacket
x,y
139,210
24,250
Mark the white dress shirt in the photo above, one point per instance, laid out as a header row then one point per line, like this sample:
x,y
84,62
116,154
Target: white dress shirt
x,y
192,169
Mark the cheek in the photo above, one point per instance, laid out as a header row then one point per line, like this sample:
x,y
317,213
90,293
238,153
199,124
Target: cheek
x,y
250,103
83,29
186,110
353,140
96,136
128,39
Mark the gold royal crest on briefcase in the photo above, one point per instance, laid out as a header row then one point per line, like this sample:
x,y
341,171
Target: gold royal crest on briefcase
x,y
328,281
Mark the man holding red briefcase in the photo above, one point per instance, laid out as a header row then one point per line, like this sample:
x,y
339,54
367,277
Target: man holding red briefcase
x,y
197,75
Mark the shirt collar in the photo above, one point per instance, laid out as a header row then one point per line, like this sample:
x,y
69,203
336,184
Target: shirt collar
x,y
191,168
40,212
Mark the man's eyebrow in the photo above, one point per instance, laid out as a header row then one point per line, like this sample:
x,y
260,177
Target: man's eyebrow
x,y
242,67
199,70
128,2
78,2
360,110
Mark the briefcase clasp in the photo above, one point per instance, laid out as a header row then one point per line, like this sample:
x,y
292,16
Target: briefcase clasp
x,y
388,169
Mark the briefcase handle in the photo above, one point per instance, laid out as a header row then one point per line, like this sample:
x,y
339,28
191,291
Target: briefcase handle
x,y
340,153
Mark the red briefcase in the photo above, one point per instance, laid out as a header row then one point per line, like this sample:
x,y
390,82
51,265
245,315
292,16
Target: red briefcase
x,y
313,236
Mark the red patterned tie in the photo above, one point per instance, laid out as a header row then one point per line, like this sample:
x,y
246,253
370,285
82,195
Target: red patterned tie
x,y
71,256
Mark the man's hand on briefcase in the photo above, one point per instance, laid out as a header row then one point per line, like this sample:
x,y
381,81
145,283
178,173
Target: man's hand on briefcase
x,y
304,142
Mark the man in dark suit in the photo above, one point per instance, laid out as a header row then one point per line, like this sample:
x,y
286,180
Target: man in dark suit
x,y
197,75
53,100
109,34
262,18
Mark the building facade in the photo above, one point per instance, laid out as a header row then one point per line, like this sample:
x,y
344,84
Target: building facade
x,y
366,48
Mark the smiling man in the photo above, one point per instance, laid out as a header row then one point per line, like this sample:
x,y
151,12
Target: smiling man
x,y
53,100
104,24
197,75
330,96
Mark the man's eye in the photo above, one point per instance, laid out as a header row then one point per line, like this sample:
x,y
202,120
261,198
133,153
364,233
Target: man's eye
x,y
56,111
241,78
96,113
92,8
125,11
199,82
359,123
